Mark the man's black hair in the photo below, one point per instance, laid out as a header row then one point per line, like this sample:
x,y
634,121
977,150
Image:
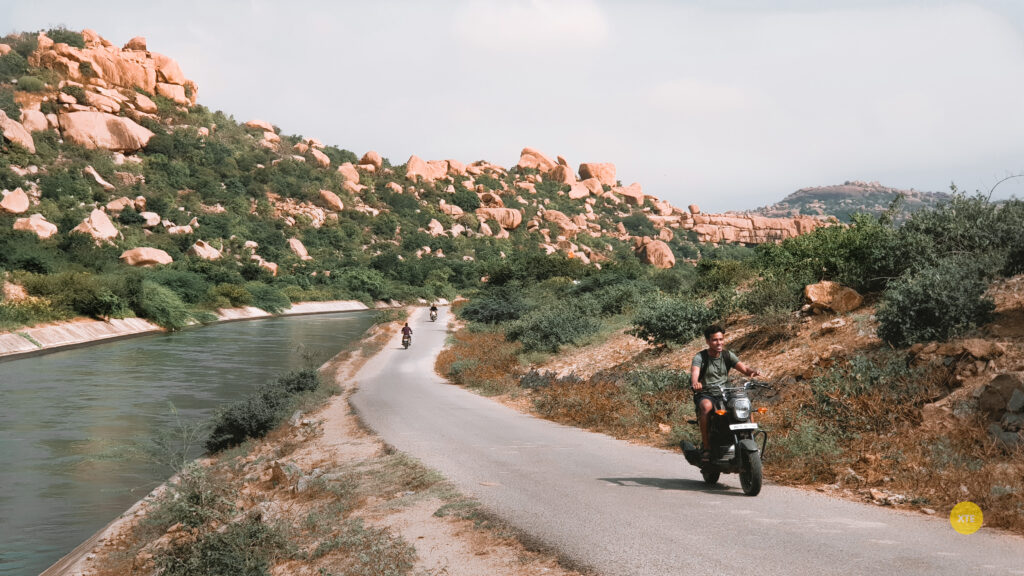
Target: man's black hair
x,y
712,330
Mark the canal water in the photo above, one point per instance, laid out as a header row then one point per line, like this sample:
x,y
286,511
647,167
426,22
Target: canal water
x,y
67,418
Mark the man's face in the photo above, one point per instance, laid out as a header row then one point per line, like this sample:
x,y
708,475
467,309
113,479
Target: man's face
x,y
716,343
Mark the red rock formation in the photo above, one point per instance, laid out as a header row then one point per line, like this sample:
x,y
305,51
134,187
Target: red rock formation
x,y
532,158
101,130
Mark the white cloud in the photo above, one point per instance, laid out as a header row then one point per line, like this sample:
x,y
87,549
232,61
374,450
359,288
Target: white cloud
x,y
532,26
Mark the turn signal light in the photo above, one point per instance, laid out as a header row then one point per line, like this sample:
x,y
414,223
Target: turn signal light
x,y
720,412
762,410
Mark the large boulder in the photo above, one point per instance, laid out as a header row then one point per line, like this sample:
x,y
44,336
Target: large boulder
x,y
603,171
97,225
452,210
14,201
36,224
173,92
146,257
632,194
298,248
13,131
656,253
144,103
260,125
507,218
372,158
331,201
34,120
102,130
532,158
349,172
827,295
562,174
417,169
321,159
92,173
201,249
562,221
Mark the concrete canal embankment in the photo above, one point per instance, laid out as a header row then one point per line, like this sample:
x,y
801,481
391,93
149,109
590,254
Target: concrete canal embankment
x,y
48,337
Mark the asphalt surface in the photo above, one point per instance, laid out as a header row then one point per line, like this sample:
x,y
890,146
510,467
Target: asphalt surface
x,y
622,509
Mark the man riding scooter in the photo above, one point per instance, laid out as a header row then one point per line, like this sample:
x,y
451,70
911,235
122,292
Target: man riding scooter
x,y
708,374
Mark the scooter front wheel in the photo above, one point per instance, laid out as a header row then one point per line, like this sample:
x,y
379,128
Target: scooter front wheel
x,y
750,475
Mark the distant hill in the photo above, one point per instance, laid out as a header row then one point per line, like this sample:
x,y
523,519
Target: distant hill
x,y
849,198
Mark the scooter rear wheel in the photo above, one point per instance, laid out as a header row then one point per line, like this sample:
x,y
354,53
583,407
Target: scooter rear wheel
x,y
710,476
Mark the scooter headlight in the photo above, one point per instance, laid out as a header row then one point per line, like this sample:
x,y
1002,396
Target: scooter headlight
x,y
741,408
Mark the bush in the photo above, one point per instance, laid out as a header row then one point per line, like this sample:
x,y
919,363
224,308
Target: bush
x,y
259,413
162,306
69,37
31,84
244,548
548,328
76,92
663,320
8,104
197,498
267,297
937,303
493,306
12,65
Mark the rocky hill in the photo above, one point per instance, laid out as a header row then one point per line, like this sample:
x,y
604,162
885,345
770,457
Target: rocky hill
x,y
851,197
109,144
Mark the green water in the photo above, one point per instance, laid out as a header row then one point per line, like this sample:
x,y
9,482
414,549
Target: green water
x,y
64,414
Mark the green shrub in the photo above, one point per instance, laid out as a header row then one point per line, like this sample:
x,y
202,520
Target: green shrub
x,y
496,305
386,315
196,498
78,292
715,274
8,104
466,199
28,312
58,183
162,306
228,296
245,548
31,84
550,327
76,92
662,320
936,303
259,413
267,297
69,37
644,389
12,65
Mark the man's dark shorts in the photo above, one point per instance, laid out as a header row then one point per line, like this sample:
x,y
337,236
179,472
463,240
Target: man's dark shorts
x,y
698,396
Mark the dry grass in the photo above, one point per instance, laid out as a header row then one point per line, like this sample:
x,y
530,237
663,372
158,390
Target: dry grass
x,y
481,360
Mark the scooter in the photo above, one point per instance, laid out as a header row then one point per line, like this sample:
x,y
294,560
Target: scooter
x,y
433,315
406,340
734,440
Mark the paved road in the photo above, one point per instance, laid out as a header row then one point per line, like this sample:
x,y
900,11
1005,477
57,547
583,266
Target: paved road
x,y
633,510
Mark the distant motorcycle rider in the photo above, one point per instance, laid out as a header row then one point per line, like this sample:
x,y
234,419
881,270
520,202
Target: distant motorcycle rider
x,y
709,371
406,330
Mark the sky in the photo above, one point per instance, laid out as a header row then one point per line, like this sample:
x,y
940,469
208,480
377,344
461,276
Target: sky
x,y
728,104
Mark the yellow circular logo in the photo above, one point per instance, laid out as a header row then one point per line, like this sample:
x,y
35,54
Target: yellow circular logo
x,y
966,518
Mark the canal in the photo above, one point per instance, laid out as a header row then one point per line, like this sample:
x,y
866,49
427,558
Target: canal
x,y
68,419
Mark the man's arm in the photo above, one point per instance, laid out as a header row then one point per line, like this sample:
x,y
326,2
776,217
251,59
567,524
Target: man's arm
x,y
694,378
747,370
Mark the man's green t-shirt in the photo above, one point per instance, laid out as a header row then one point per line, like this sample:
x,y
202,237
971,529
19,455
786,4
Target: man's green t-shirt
x,y
716,374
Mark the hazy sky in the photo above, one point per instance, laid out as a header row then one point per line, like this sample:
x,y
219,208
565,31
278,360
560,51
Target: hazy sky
x,y
729,104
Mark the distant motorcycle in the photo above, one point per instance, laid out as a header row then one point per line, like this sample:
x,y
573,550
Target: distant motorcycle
x,y
734,440
406,340
433,315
